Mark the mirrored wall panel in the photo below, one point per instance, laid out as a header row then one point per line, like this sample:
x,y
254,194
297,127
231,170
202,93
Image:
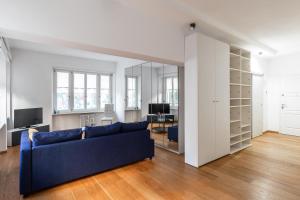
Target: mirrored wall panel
x,y
152,94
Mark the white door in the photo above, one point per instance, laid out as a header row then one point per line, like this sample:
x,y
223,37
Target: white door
x,y
257,105
290,106
222,121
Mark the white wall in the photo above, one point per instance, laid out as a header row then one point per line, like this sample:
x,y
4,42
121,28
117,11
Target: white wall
x,y
258,64
32,78
114,26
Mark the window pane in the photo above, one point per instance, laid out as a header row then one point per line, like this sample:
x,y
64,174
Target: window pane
x,y
105,91
169,90
78,99
105,82
131,98
131,83
91,99
78,91
62,79
169,83
169,96
78,80
175,96
62,91
175,91
175,83
62,99
105,97
91,92
91,81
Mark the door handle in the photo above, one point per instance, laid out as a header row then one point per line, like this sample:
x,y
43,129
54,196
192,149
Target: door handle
x,y
282,106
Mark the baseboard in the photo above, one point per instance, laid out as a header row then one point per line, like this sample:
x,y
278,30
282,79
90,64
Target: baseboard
x,y
269,131
2,152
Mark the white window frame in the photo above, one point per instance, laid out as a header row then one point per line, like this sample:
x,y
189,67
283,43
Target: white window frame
x,y
136,94
71,91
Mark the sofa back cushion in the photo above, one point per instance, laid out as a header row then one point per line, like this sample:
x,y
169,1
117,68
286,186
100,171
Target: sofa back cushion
x,y
97,131
43,138
135,126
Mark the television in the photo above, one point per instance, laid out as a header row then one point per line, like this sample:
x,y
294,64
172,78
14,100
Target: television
x,y
159,108
28,117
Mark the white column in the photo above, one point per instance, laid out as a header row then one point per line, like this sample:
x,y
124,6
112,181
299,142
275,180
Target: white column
x,y
191,100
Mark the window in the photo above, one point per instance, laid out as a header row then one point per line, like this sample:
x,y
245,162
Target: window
x,y
171,92
131,92
105,91
62,91
79,91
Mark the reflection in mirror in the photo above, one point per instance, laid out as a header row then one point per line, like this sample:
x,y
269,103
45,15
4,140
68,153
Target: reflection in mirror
x,y
152,94
133,83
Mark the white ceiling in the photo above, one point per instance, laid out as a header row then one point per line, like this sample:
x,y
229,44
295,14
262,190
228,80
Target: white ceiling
x,y
272,25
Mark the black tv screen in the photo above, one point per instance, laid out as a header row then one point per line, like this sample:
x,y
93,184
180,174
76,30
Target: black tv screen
x,y
156,108
28,117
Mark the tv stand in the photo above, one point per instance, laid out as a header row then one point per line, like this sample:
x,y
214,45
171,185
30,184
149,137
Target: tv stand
x,y
14,135
160,119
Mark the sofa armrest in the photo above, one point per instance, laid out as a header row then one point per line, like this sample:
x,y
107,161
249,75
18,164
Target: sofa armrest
x,y
25,164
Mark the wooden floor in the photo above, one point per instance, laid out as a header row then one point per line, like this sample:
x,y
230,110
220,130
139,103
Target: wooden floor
x,y
270,169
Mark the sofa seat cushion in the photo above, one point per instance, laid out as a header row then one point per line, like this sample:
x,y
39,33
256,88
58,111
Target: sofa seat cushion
x,y
43,138
97,131
135,126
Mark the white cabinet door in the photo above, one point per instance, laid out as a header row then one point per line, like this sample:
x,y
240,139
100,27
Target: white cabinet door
x,y
257,105
206,96
222,122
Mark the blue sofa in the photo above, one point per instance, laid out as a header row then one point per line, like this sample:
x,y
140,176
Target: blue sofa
x,y
44,166
173,133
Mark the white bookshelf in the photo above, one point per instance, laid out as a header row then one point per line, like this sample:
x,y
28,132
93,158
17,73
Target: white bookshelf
x,y
240,99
